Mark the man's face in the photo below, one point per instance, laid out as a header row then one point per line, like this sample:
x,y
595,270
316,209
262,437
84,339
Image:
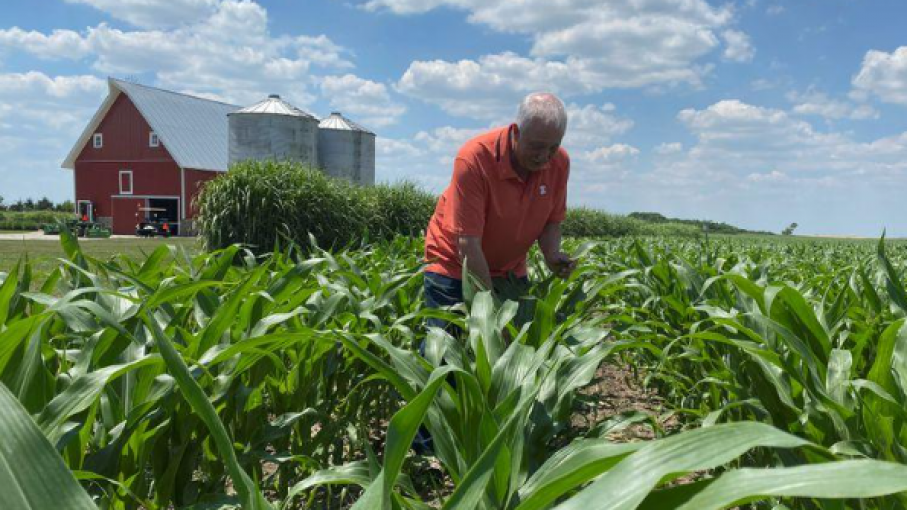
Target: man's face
x,y
536,145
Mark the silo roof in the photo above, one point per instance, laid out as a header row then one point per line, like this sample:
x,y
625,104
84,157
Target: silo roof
x,y
339,122
274,105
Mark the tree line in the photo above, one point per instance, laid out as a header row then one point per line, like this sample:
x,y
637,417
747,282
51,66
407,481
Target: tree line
x,y
42,204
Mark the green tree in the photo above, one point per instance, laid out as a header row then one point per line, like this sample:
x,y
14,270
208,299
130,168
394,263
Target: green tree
x,y
44,204
65,206
652,217
790,229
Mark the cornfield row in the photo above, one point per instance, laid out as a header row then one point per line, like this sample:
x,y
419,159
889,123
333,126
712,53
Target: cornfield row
x,y
294,380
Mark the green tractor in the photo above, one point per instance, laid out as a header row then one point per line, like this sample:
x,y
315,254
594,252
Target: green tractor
x,y
89,229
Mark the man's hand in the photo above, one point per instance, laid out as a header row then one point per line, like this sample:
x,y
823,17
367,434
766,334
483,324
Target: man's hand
x,y
470,248
561,264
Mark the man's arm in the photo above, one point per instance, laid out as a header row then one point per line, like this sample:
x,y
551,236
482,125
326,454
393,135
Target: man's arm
x,y
550,243
470,248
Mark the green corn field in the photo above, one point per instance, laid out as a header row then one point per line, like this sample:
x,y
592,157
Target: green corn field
x,y
294,379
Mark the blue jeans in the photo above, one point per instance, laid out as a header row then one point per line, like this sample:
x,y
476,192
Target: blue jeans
x,y
442,291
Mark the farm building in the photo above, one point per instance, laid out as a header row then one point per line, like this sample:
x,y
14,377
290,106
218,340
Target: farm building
x,y
147,151
275,129
346,149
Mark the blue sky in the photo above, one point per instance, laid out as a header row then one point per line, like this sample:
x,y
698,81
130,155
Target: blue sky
x,y
754,112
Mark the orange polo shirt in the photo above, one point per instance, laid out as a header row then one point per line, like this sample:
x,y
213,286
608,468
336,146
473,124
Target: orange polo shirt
x,y
487,199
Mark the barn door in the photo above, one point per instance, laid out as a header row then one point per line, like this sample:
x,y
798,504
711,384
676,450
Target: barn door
x,y
126,214
86,210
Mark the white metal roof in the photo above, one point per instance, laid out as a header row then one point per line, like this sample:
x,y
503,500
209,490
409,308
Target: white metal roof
x,y
194,130
276,106
339,122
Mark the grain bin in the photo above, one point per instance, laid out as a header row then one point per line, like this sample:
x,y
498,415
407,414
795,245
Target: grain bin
x,y
273,129
346,149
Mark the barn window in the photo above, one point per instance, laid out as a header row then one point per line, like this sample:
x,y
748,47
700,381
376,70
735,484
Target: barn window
x,y
125,182
153,140
98,140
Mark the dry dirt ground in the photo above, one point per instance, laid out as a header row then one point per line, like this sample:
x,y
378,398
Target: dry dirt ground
x,y
615,394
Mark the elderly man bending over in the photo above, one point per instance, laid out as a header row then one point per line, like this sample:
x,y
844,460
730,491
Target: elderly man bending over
x,y
508,191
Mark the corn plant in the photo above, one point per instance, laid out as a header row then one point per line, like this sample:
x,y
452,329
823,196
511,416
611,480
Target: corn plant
x,y
486,422
293,379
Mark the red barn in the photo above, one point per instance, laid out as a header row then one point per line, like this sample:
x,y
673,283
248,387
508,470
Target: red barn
x,y
145,153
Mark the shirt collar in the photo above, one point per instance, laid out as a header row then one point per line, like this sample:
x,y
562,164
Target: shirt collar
x,y
502,151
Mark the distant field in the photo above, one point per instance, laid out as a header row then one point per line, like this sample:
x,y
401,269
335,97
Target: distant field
x,y
820,240
44,254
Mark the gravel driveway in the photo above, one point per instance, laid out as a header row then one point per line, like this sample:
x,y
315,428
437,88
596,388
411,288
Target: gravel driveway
x,y
38,235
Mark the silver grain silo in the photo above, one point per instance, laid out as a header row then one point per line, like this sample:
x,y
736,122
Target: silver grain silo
x,y
273,129
346,149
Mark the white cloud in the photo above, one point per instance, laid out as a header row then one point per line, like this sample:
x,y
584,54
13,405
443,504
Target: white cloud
x,y
739,48
444,142
154,13
820,104
40,118
773,176
592,126
729,113
603,166
230,54
367,101
669,148
35,85
884,75
405,6
426,158
33,102
580,47
530,16
774,10
611,155
735,129
761,84
59,44
489,88
751,165
632,40
395,148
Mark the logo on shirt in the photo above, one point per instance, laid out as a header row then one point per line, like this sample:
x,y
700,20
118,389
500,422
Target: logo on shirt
x,y
543,190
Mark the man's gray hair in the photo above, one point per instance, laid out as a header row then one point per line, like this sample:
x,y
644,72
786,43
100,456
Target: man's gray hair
x,y
544,108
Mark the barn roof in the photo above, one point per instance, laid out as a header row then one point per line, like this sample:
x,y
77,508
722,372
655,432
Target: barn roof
x,y
194,130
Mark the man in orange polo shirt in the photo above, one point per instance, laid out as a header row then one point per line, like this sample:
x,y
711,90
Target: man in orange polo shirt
x,y
508,191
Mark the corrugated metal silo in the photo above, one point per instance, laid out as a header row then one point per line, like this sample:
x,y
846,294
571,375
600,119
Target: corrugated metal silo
x,y
346,149
273,129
